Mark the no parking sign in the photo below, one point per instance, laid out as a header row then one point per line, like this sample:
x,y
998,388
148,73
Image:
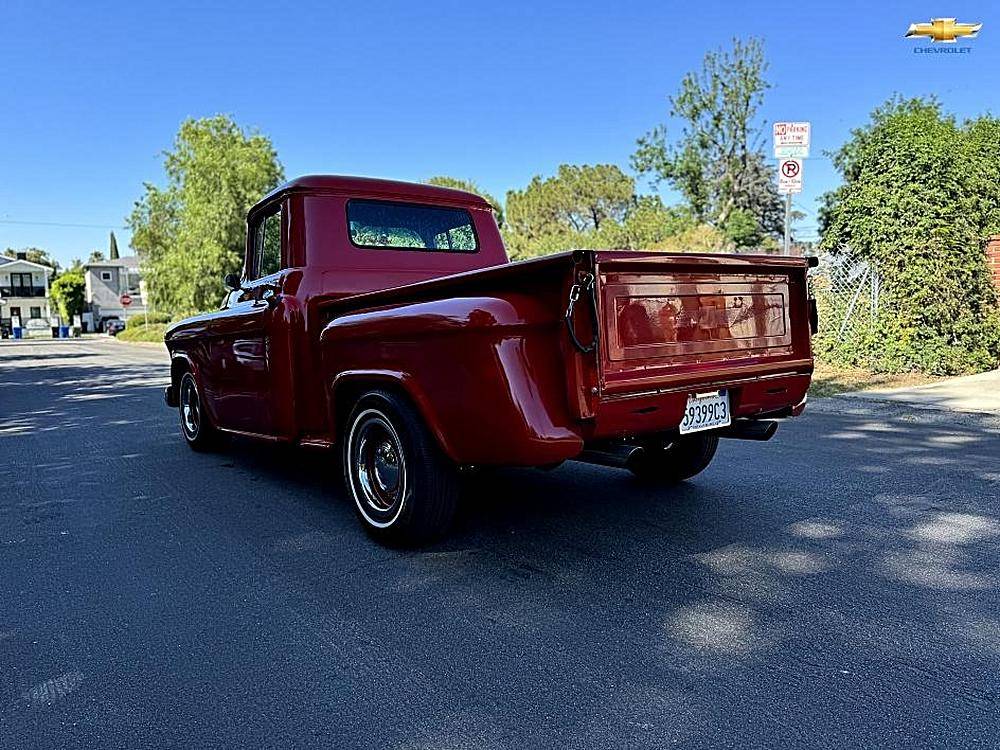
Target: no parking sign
x,y
789,176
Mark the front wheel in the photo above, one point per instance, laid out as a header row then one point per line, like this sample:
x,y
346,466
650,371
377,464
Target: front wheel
x,y
670,461
198,432
404,488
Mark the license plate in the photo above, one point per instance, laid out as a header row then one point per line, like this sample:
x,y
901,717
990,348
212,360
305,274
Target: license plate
x,y
706,411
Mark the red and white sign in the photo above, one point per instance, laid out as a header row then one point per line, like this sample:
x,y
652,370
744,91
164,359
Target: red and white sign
x,y
126,300
791,139
789,176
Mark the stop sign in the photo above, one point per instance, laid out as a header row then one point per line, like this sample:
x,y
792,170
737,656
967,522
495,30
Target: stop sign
x,y
126,300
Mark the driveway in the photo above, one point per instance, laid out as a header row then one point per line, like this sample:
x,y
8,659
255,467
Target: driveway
x,y
836,587
973,393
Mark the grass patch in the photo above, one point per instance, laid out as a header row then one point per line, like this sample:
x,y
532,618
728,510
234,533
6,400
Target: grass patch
x,y
829,380
152,333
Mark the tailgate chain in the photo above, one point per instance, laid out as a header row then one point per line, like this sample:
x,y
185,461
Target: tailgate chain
x,y
586,284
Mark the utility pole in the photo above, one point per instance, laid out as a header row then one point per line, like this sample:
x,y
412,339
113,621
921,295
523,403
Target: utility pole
x,y
788,223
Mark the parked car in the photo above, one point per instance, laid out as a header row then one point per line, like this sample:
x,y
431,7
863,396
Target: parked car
x,y
383,319
114,326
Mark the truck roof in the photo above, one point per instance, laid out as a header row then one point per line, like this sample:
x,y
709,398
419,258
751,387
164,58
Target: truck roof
x,y
372,187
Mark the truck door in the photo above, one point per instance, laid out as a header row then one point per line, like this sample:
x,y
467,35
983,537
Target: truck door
x,y
241,376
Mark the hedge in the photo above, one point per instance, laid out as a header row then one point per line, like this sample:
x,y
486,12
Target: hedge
x,y
140,319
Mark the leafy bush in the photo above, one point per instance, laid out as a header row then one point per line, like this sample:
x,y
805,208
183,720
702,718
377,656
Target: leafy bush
x,y
700,238
917,203
139,319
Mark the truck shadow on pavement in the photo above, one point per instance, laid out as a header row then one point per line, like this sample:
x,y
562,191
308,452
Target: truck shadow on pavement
x,y
876,508
856,554
9,357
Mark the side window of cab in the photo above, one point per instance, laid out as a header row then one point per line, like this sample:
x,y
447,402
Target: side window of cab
x,y
267,245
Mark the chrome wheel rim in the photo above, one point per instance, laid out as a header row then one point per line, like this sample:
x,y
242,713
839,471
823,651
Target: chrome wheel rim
x,y
378,468
190,408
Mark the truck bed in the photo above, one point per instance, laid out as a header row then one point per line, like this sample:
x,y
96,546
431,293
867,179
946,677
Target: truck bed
x,y
650,328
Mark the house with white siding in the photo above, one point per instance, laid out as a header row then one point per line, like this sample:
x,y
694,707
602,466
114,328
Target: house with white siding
x,y
24,293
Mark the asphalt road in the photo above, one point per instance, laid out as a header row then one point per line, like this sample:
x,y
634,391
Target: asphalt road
x,y
836,587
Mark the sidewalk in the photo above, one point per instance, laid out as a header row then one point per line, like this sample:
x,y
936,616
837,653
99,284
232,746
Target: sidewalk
x,y
146,344
971,393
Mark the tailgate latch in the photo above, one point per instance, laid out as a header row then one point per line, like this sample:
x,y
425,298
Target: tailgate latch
x,y
813,316
584,286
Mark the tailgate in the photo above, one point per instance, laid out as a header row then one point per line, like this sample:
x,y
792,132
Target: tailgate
x,y
674,320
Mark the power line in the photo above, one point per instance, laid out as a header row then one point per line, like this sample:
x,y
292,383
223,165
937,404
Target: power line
x,y
61,224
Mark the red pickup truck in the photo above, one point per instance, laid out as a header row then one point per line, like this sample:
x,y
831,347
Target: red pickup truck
x,y
385,319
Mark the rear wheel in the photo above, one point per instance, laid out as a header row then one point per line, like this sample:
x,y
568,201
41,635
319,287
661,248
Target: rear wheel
x,y
404,488
668,461
198,432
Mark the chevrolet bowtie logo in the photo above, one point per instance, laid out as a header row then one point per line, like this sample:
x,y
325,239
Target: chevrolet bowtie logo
x,y
944,29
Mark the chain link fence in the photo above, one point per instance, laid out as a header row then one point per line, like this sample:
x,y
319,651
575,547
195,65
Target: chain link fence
x,y
847,291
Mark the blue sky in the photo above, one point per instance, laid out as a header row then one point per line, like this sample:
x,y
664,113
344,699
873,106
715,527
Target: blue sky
x,y
91,93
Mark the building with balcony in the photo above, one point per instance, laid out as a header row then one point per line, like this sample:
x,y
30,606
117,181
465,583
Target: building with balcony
x,y
107,281
24,293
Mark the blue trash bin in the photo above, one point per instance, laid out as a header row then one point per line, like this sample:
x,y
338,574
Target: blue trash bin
x,y
17,332
64,332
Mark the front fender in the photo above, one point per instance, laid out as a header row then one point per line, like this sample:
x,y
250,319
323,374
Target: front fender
x,y
180,362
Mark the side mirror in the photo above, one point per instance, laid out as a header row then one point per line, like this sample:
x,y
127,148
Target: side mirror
x,y
232,282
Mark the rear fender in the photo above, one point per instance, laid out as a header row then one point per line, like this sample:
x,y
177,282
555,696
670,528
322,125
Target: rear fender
x,y
484,372
350,385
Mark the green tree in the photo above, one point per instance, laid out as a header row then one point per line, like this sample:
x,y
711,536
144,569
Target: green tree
x,y
558,212
190,233
470,187
847,159
96,256
588,206
646,225
919,196
68,291
113,248
576,199
35,255
743,230
982,141
717,163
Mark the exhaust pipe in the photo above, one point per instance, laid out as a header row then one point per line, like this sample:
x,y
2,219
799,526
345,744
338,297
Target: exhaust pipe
x,y
617,456
750,429
624,455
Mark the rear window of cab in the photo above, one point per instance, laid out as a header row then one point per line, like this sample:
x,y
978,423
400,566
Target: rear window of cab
x,y
410,226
